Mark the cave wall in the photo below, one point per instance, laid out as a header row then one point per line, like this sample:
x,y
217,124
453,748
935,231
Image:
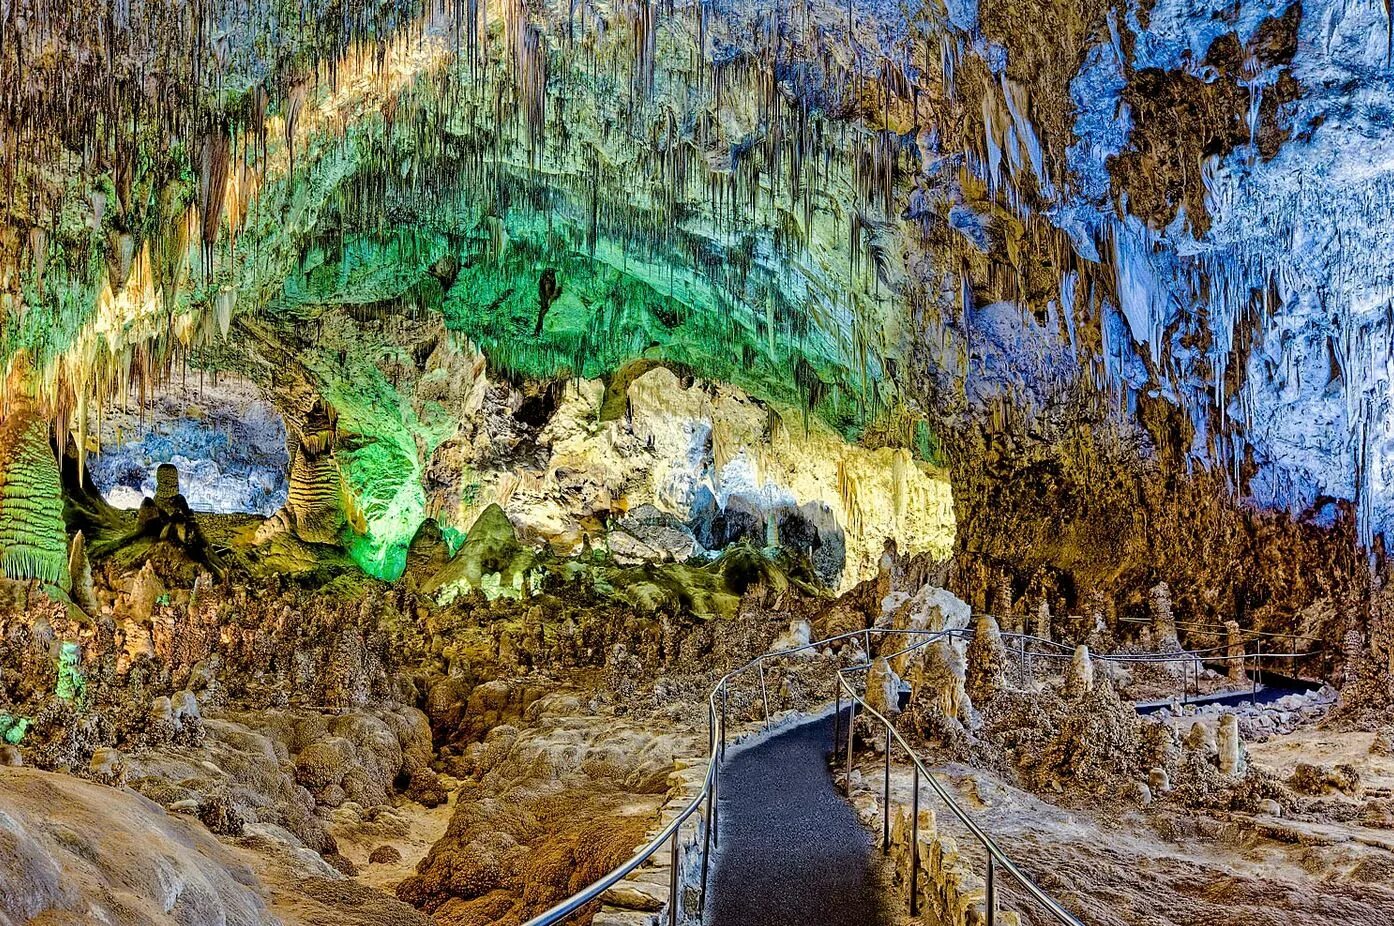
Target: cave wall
x,y
1119,261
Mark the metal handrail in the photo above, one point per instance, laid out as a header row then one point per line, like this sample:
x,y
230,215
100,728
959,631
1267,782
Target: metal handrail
x,y
716,748
996,857
1210,626
710,788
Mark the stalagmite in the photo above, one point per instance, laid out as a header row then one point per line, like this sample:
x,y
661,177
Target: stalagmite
x,y
987,660
1163,623
1079,678
1234,649
1042,627
883,688
1231,746
80,573
938,682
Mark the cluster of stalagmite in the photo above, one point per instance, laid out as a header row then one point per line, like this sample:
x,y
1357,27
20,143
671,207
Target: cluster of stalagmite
x,y
1055,719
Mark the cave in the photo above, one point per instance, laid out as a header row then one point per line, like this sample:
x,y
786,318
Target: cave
x,y
698,462
227,442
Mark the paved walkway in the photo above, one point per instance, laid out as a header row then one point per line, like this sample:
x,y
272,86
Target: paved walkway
x,y
792,850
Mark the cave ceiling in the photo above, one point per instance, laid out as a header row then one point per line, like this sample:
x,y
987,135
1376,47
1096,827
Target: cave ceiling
x,y
915,224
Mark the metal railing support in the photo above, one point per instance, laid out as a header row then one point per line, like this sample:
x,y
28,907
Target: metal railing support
x,y
709,799
915,846
724,700
886,800
1258,668
837,718
673,899
851,713
991,898
714,808
764,695
706,849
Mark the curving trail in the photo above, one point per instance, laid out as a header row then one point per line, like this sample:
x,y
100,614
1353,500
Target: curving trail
x,y
792,850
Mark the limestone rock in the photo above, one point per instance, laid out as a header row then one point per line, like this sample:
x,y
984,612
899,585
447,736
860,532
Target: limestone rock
x,y
1201,738
1079,678
883,688
937,683
987,660
1230,746
647,534
385,855
33,537
800,633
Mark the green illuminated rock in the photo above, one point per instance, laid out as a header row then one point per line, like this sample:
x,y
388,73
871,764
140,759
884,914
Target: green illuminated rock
x,y
12,729
33,537
71,685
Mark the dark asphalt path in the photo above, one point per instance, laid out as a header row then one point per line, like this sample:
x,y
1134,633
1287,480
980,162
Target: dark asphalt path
x,y
792,850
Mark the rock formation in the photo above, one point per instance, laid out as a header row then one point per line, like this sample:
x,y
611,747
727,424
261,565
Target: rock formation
x,y
987,660
410,409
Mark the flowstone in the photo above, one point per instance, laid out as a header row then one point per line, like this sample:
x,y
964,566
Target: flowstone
x,y
33,537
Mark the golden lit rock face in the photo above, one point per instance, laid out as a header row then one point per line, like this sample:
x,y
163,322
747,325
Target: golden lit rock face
x,y
669,442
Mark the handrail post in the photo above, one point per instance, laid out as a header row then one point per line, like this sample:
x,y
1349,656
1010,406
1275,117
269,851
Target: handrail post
x,y
707,848
851,713
1258,668
866,636
837,717
764,695
673,881
714,807
724,699
886,802
915,845
991,899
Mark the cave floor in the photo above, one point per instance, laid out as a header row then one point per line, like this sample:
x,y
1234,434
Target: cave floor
x,y
1114,864
792,852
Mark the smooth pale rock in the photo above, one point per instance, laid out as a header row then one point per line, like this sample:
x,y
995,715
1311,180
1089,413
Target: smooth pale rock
x,y
800,633
81,852
1231,746
613,916
1141,793
184,707
883,688
636,895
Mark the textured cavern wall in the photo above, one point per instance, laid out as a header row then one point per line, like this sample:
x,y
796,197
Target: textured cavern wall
x,y
570,192
1127,249
227,441
1156,344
